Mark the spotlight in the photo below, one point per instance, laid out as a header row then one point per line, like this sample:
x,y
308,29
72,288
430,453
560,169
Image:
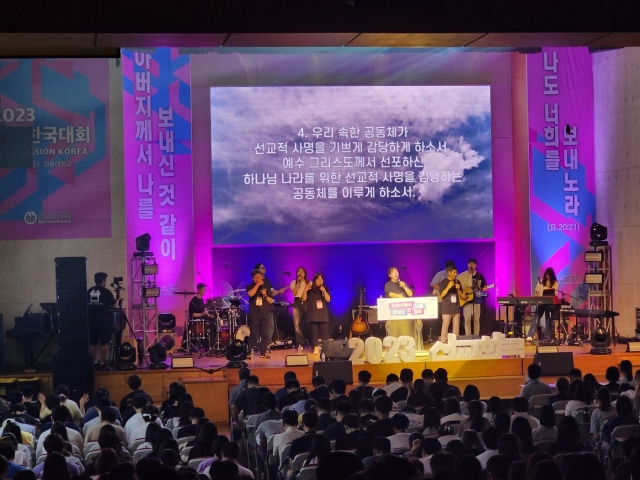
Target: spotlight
x,y
150,292
236,354
168,341
157,356
594,278
600,340
598,235
126,357
143,243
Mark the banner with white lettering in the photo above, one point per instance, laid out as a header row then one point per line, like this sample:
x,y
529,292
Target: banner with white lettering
x,y
158,170
54,149
561,159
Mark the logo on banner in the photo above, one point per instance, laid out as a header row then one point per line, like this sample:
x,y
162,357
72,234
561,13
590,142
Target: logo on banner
x,y
30,218
62,216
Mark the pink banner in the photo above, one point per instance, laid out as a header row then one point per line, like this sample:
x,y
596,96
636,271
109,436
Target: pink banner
x,y
158,170
561,142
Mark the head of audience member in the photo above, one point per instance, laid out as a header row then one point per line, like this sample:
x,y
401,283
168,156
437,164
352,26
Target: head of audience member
x,y
366,406
442,463
545,469
13,428
224,470
184,412
490,437
196,415
568,430
364,377
151,432
26,475
60,429
399,422
138,402
159,441
563,385
612,374
108,438
318,381
244,373
309,421
55,467
456,447
547,416
105,461
427,376
218,444
502,420
509,445
494,405
337,387
472,441
575,374
584,393
230,451
431,418
522,429
468,467
624,406
441,375
292,385
419,386
206,434
7,451
338,466
108,415
430,446
589,378
383,406
534,371
149,468
584,466
270,401
169,458
60,413
351,423
134,382
252,381
520,405
471,392
451,406
406,377
604,399
342,408
392,378
392,466
498,467
381,446
290,418
150,413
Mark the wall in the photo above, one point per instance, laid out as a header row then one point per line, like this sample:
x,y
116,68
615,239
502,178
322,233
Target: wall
x,y
617,152
27,271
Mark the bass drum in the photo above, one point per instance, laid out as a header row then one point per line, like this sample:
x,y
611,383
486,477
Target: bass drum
x,y
243,333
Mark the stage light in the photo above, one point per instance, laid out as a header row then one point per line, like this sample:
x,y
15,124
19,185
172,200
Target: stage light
x,y
168,341
594,278
594,256
598,235
236,354
157,356
143,243
166,321
600,340
150,292
149,268
126,357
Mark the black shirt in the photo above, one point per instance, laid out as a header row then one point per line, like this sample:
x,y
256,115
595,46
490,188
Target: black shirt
x,y
249,401
256,311
196,305
382,428
101,300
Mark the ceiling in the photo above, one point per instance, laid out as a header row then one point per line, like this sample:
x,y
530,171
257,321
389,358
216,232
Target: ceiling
x,y
99,28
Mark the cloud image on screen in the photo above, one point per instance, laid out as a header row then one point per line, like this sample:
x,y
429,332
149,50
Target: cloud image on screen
x,y
350,164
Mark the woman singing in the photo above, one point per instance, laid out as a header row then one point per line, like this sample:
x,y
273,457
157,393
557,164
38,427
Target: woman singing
x,y
546,287
316,297
297,288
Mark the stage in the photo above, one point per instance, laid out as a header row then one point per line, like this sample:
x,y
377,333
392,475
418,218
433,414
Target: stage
x,y
502,377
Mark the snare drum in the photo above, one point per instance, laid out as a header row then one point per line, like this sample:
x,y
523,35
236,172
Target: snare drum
x,y
243,332
225,335
197,328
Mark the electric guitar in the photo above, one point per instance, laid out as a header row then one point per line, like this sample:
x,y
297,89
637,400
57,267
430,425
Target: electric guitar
x,y
360,324
471,294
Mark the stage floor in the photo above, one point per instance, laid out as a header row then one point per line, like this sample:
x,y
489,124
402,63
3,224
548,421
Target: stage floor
x,y
503,377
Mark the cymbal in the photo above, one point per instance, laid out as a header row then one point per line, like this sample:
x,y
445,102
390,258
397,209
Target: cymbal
x,y
184,293
239,290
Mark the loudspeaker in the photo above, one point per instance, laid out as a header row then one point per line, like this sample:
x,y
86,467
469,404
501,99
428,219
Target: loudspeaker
x,y
71,298
74,371
296,361
336,350
631,346
553,364
334,370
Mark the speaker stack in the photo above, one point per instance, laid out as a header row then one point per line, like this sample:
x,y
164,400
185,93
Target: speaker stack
x,y
73,366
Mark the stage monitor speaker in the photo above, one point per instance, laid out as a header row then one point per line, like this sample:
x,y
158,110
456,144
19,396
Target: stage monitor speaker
x,y
181,362
547,349
633,347
296,361
334,370
74,371
553,364
336,350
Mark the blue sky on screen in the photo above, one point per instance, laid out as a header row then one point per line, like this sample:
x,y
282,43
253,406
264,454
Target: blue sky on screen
x,y
245,213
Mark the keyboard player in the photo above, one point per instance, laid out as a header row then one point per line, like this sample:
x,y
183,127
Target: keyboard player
x,y
547,286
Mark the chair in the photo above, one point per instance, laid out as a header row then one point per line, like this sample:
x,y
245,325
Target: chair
x,y
141,453
182,442
543,445
455,426
195,462
284,461
583,419
298,462
89,447
618,436
136,443
250,436
560,405
91,456
307,473
536,402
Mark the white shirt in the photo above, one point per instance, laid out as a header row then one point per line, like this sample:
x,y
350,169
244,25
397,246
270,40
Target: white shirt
x,y
484,457
267,429
392,387
399,441
281,439
533,421
426,462
74,437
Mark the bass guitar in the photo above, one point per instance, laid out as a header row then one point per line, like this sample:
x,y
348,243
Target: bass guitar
x,y
471,294
360,324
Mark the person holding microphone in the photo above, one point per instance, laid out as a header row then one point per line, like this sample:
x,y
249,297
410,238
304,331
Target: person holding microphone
x,y
316,299
260,316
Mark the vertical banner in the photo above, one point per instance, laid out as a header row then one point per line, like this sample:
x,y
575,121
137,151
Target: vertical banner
x,y
562,184
54,149
158,170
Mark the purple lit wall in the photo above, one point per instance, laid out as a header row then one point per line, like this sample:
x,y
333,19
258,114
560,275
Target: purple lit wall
x,y
348,267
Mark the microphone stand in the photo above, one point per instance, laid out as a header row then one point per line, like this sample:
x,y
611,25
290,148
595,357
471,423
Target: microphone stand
x,y
412,286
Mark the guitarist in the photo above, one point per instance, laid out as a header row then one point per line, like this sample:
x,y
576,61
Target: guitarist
x,y
472,283
396,288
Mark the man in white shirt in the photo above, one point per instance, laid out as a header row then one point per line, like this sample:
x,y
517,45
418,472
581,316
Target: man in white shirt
x,y
430,446
393,383
490,438
150,413
136,420
520,408
291,432
400,439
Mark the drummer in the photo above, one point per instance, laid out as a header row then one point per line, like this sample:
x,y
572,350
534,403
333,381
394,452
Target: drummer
x,y
197,309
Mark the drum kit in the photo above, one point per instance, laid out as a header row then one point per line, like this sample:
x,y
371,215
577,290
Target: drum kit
x,y
211,336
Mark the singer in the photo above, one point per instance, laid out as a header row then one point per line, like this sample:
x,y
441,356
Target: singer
x,y
450,291
260,315
316,298
546,287
396,288
297,288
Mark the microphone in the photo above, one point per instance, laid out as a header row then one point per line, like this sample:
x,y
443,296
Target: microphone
x,y
286,273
